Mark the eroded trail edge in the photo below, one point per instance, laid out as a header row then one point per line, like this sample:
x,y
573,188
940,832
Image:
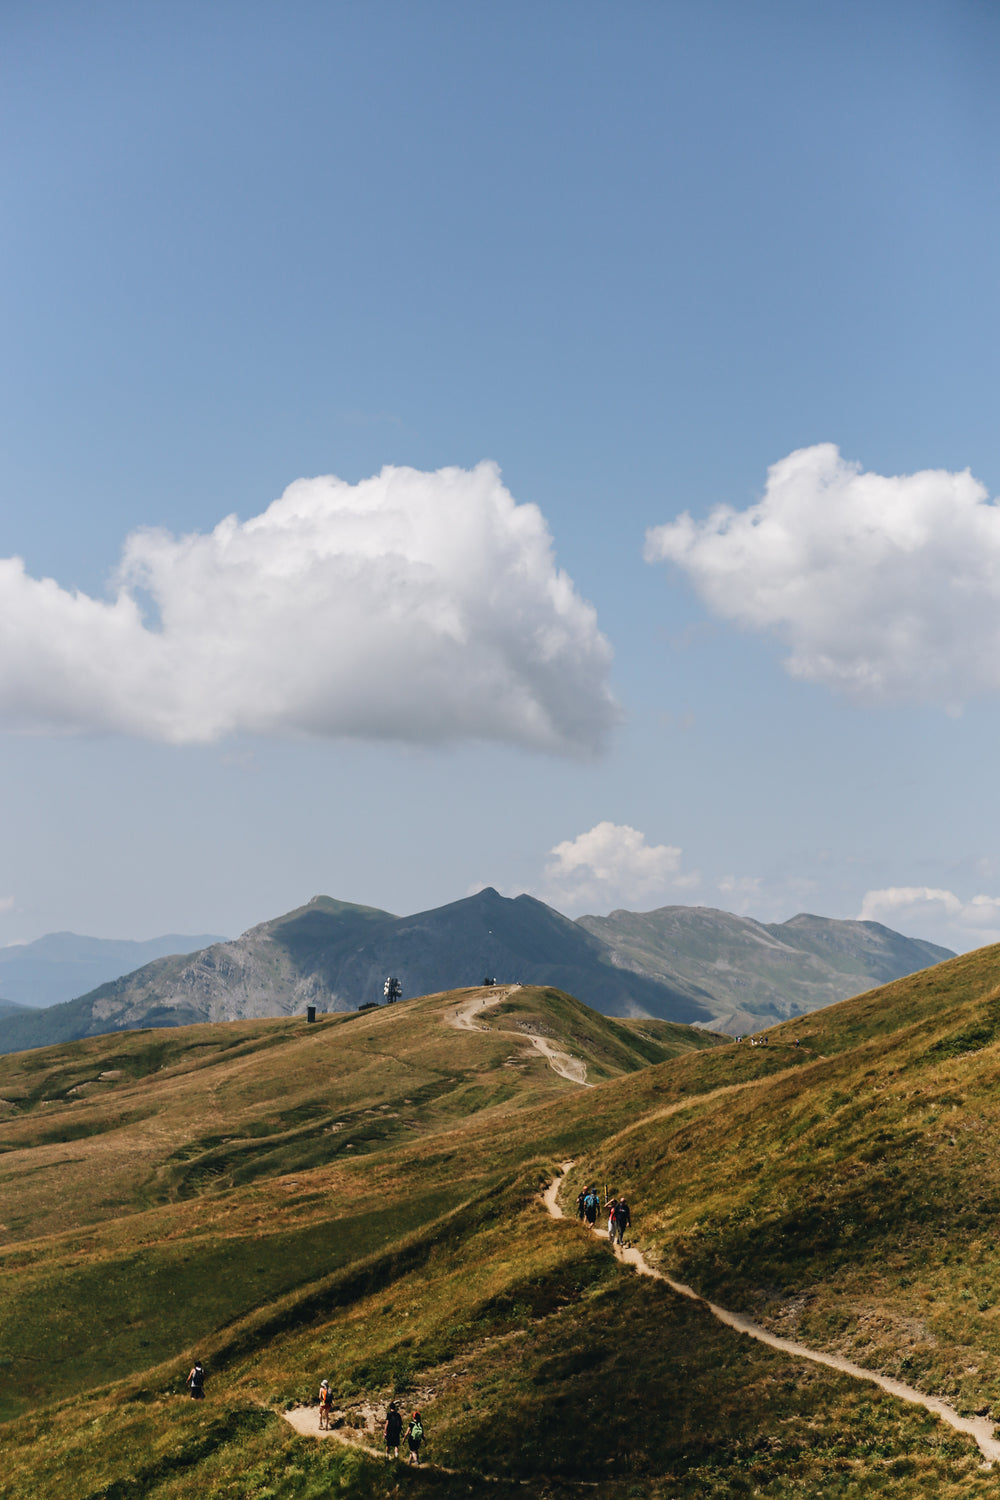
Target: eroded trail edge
x,y
563,1063
979,1428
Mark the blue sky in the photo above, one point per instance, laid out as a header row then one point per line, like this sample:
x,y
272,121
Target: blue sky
x,y
634,256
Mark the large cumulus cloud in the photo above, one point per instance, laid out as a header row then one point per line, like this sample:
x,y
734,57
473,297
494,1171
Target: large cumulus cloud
x,y
411,606
885,587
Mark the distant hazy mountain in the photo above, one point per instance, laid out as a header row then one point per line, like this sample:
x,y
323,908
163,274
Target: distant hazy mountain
x,y
759,972
682,963
61,965
336,956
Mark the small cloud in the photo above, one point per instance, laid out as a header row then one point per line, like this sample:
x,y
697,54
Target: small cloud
x,y
884,587
772,900
740,892
937,915
6,903
611,865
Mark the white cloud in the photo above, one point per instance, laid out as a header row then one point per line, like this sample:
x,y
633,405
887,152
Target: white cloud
x,y
936,915
613,865
411,606
741,892
883,587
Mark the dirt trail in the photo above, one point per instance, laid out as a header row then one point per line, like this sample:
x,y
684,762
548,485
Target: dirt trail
x,y
305,1420
980,1428
560,1062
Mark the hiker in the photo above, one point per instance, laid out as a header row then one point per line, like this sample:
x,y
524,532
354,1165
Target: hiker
x,y
196,1381
591,1203
325,1403
611,1205
623,1220
393,1429
414,1437
579,1202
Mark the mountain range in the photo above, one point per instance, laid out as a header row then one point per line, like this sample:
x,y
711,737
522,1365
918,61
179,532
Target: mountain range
x,y
691,965
756,971
64,964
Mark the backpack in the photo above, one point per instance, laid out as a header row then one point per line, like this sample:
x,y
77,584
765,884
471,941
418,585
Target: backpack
x,y
416,1431
197,1378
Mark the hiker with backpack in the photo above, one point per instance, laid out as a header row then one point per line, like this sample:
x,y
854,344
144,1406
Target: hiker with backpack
x,y
414,1437
579,1203
393,1429
196,1381
591,1204
612,1208
325,1403
623,1219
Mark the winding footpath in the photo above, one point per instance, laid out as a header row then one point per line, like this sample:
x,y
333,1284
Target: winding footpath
x,y
980,1428
560,1062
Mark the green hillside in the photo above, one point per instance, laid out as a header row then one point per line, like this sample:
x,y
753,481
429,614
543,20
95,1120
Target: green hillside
x,y
850,1198
358,1199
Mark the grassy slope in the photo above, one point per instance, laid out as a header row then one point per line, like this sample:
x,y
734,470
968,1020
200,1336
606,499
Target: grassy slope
x,y
609,1047
357,1266
150,1177
849,1199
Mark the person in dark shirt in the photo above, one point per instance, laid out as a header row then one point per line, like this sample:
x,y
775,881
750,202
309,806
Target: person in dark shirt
x,y
393,1429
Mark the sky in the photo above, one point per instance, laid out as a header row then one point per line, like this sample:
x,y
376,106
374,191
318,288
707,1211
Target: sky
x,y
549,446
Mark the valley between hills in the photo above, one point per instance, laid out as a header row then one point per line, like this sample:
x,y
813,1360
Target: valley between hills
x,y
361,1200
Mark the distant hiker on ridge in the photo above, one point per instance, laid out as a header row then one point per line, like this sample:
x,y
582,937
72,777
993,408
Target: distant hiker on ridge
x,y
196,1381
393,1429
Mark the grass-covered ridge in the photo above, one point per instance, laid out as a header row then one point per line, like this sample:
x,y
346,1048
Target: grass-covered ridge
x,y
358,1199
160,1185
849,1199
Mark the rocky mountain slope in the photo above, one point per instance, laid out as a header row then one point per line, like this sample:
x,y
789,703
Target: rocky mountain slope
x,y
684,964
760,972
62,965
336,956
